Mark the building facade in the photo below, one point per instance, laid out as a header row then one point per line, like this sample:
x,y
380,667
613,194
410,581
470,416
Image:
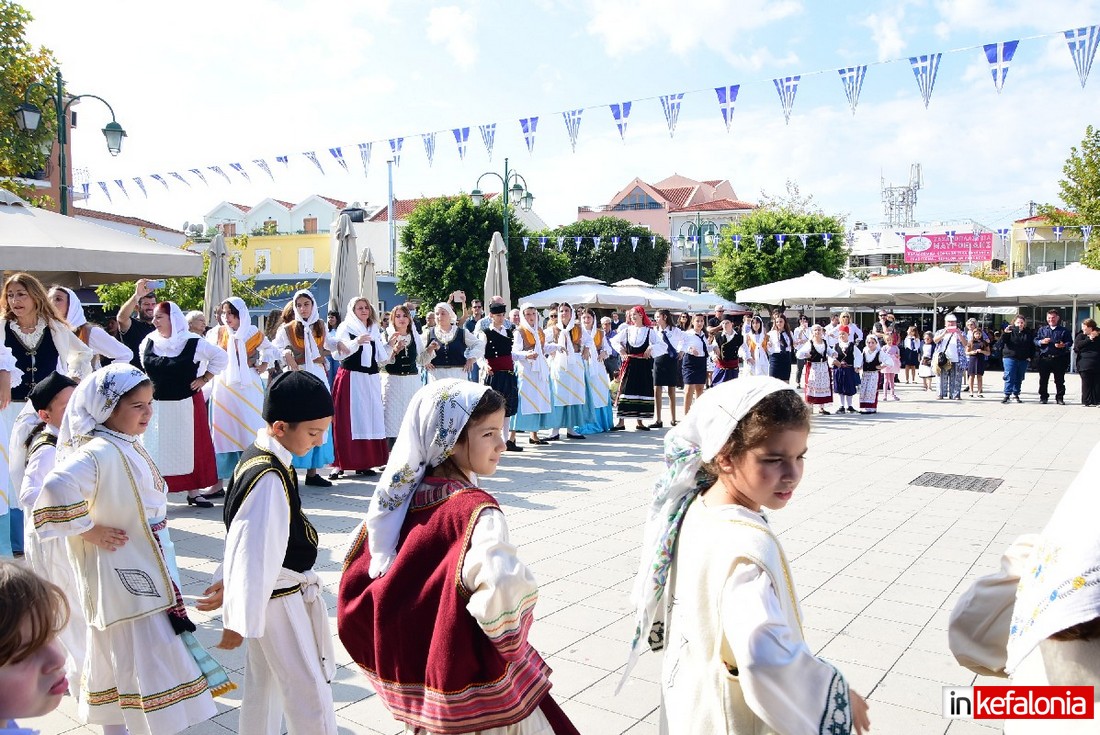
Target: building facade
x,y
879,251
1037,247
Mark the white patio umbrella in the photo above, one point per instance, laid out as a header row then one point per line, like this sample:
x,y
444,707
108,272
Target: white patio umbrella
x,y
584,291
633,282
707,300
368,279
933,285
345,274
655,298
75,253
810,288
496,272
218,286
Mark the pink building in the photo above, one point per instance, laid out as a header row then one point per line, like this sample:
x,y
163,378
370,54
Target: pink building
x,y
650,205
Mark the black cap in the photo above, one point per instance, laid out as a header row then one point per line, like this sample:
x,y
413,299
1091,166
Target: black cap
x,y
496,308
46,390
296,396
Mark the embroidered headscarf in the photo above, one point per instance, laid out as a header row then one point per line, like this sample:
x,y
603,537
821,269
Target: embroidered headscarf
x,y
431,427
94,401
312,354
75,315
1061,588
237,346
180,333
696,441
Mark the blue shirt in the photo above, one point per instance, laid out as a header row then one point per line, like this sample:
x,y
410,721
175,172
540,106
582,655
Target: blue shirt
x,y
1056,334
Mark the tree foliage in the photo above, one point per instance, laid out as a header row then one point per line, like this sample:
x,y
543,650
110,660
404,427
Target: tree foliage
x,y
746,266
606,262
1080,191
20,152
445,247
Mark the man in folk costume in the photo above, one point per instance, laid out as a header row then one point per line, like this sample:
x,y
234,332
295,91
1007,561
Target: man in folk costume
x,y
727,361
359,426
270,593
433,555
535,409
567,374
102,344
498,366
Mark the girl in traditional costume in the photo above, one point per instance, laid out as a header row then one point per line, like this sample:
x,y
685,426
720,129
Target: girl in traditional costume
x,y
727,353
697,347
535,409
144,672
779,346
910,355
667,372
237,393
597,383
400,372
891,364
179,437
567,375
753,354
637,342
102,344
819,383
847,360
302,352
714,588
433,555
868,382
451,349
359,425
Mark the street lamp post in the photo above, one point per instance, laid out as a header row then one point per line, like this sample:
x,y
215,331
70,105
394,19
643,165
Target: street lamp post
x,y
28,115
511,185
711,236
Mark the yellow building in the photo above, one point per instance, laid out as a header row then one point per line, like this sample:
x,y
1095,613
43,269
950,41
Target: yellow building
x,y
1038,248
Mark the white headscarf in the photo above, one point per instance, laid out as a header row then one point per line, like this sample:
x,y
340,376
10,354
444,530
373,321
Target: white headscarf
x,y
75,316
93,401
565,339
539,363
1061,587
355,327
237,369
431,427
180,333
696,441
447,308
312,354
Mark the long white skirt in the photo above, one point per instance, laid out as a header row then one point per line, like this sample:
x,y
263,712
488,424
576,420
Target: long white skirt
x,y
397,394
442,373
567,372
236,413
170,438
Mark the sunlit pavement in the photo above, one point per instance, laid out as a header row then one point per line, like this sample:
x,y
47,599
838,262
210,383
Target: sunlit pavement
x,y
877,562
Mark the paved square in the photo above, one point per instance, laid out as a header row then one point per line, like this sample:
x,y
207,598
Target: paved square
x,y
878,562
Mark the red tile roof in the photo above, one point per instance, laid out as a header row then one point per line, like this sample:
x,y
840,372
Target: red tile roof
x,y
243,207
122,219
676,197
288,205
335,202
715,205
714,182
404,207
1041,218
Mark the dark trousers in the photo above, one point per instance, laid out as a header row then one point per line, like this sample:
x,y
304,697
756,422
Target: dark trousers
x,y
1090,387
801,366
1057,368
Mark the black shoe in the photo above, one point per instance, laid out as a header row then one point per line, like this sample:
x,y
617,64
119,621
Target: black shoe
x,y
1043,401
1006,399
824,412
851,410
317,481
617,428
540,442
573,436
199,501
335,475
511,446
553,438
642,427
1060,401
366,473
657,425
216,494
1017,397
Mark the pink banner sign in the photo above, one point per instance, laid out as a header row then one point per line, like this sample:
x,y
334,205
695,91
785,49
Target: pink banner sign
x,y
939,248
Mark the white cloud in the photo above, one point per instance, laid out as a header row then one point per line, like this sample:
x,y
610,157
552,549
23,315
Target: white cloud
x,y
995,16
886,32
454,28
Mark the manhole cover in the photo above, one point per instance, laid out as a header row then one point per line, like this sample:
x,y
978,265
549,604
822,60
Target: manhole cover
x,y
958,482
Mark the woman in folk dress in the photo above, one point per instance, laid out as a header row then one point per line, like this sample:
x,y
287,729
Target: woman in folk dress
x,y
451,349
597,382
400,371
567,375
358,426
637,342
819,380
535,409
868,385
102,344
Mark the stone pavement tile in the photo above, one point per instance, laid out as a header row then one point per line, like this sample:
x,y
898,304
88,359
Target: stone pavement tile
x,y
549,638
939,666
842,601
875,654
589,719
621,630
891,718
847,583
644,728
648,667
569,678
552,569
817,638
584,618
596,650
900,612
928,580
57,721
369,713
602,576
881,631
867,567
570,591
913,692
863,679
611,600
823,618
637,699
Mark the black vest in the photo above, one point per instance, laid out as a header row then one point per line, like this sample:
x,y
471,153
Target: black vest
x,y
42,439
171,376
870,365
404,363
451,354
354,362
301,548
640,349
728,346
36,364
818,356
133,338
496,344
846,354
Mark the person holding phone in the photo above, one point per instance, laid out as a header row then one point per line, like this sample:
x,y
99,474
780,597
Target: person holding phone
x,y
1052,344
135,330
952,345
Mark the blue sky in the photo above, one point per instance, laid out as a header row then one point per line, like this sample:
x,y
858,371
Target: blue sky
x,y
203,83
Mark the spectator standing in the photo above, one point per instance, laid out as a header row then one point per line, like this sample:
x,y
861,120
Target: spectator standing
x,y
950,343
614,361
801,336
1087,347
977,352
1017,347
1052,344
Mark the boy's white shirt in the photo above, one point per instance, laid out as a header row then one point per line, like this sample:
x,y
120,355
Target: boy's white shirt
x,y
39,465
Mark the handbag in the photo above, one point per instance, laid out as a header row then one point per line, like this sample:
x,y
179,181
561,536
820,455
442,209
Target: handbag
x,y
942,362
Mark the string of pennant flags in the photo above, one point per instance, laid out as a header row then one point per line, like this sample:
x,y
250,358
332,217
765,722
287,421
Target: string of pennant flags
x,y
1081,42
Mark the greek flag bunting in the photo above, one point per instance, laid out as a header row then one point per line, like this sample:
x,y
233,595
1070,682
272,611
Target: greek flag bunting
x,y
285,160
263,165
634,243
199,174
219,172
160,179
950,236
239,168
925,69
1086,232
542,243
461,136
596,241
312,156
525,241
759,241
577,242
429,146
787,87
86,187
395,149
877,236
178,175
338,154
727,96
488,137
670,103
1058,230
1082,44
573,126
804,238
852,78
118,183
1003,234
529,124
140,185
653,241
364,156
779,239
1029,233
106,191
621,113
999,55
827,237
561,243
615,243
736,241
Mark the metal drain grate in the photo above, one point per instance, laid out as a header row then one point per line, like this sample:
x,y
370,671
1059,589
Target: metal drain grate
x,y
958,482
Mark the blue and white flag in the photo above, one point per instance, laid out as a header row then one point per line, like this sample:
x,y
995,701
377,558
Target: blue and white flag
x,y
577,242
634,243
1086,232
787,87
759,241
461,136
653,241
779,239
736,241
1000,56
525,241
950,236
429,146
850,238
827,237
529,124
876,235
312,156
86,187
239,168
670,103
338,154
852,78
106,191
488,137
1003,234
140,185
542,242
158,178
615,243
178,175
596,241
561,242
364,156
573,125
727,97
925,69
395,149
261,163
804,238
118,183
1029,233
1058,230
198,173
285,160
218,170
1082,47
621,113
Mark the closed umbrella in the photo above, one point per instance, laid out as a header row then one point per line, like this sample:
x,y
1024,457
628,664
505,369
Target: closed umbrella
x,y
368,280
345,275
496,273
218,286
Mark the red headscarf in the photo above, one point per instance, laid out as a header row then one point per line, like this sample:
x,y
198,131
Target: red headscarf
x,y
645,319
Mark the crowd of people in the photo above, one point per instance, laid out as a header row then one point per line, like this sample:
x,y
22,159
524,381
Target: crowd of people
x,y
98,431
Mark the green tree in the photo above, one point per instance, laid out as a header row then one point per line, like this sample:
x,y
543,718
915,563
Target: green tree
x,y
744,266
606,262
1080,191
445,247
20,152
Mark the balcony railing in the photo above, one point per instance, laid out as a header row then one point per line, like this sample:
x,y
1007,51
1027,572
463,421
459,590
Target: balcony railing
x,y
622,207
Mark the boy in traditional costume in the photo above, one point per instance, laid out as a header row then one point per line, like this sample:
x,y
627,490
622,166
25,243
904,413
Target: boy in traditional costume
x,y
498,366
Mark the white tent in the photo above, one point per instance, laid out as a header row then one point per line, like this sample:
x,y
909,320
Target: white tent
x,y
707,300
811,288
584,291
654,298
933,285
76,253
